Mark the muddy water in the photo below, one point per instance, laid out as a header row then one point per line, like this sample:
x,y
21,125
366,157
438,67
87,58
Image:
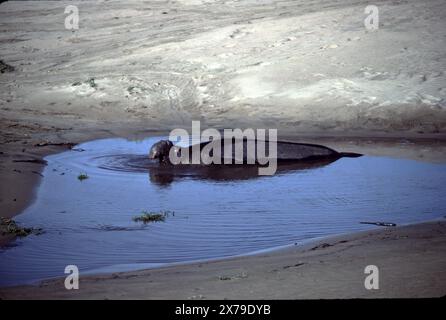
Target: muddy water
x,y
217,213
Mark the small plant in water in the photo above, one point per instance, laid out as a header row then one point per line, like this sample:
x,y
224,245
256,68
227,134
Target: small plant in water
x,y
146,217
82,176
10,227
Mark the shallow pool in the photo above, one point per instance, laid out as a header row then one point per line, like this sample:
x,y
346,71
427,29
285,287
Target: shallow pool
x,y
216,214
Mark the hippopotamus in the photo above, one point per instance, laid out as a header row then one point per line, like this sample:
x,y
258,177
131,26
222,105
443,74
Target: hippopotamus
x,y
160,150
286,151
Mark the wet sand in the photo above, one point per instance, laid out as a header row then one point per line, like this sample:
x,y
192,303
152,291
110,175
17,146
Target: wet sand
x,y
410,260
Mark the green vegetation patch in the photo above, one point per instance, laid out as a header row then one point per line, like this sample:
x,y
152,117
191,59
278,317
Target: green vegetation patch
x,y
10,227
82,176
148,217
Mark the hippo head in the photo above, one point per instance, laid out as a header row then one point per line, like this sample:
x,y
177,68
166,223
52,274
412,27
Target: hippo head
x,y
160,150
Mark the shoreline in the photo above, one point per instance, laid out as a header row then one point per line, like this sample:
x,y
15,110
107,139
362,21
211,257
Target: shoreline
x,y
11,155
311,242
326,268
22,179
344,82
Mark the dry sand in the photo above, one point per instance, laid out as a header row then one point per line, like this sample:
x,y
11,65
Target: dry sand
x,y
295,65
410,260
308,68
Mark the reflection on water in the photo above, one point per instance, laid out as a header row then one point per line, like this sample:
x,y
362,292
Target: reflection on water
x,y
220,211
162,174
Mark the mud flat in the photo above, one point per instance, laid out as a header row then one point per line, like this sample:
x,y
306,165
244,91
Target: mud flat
x,y
410,259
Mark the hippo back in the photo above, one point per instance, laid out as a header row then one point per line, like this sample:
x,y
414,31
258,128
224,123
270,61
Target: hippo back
x,y
286,151
301,151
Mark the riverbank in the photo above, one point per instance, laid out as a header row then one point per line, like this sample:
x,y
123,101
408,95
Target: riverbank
x,y
25,146
22,158
410,260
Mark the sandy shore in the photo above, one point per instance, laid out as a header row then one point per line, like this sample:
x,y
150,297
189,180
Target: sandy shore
x,y
410,259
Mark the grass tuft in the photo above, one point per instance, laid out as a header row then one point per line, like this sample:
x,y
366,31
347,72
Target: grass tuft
x,y
10,227
147,217
82,176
